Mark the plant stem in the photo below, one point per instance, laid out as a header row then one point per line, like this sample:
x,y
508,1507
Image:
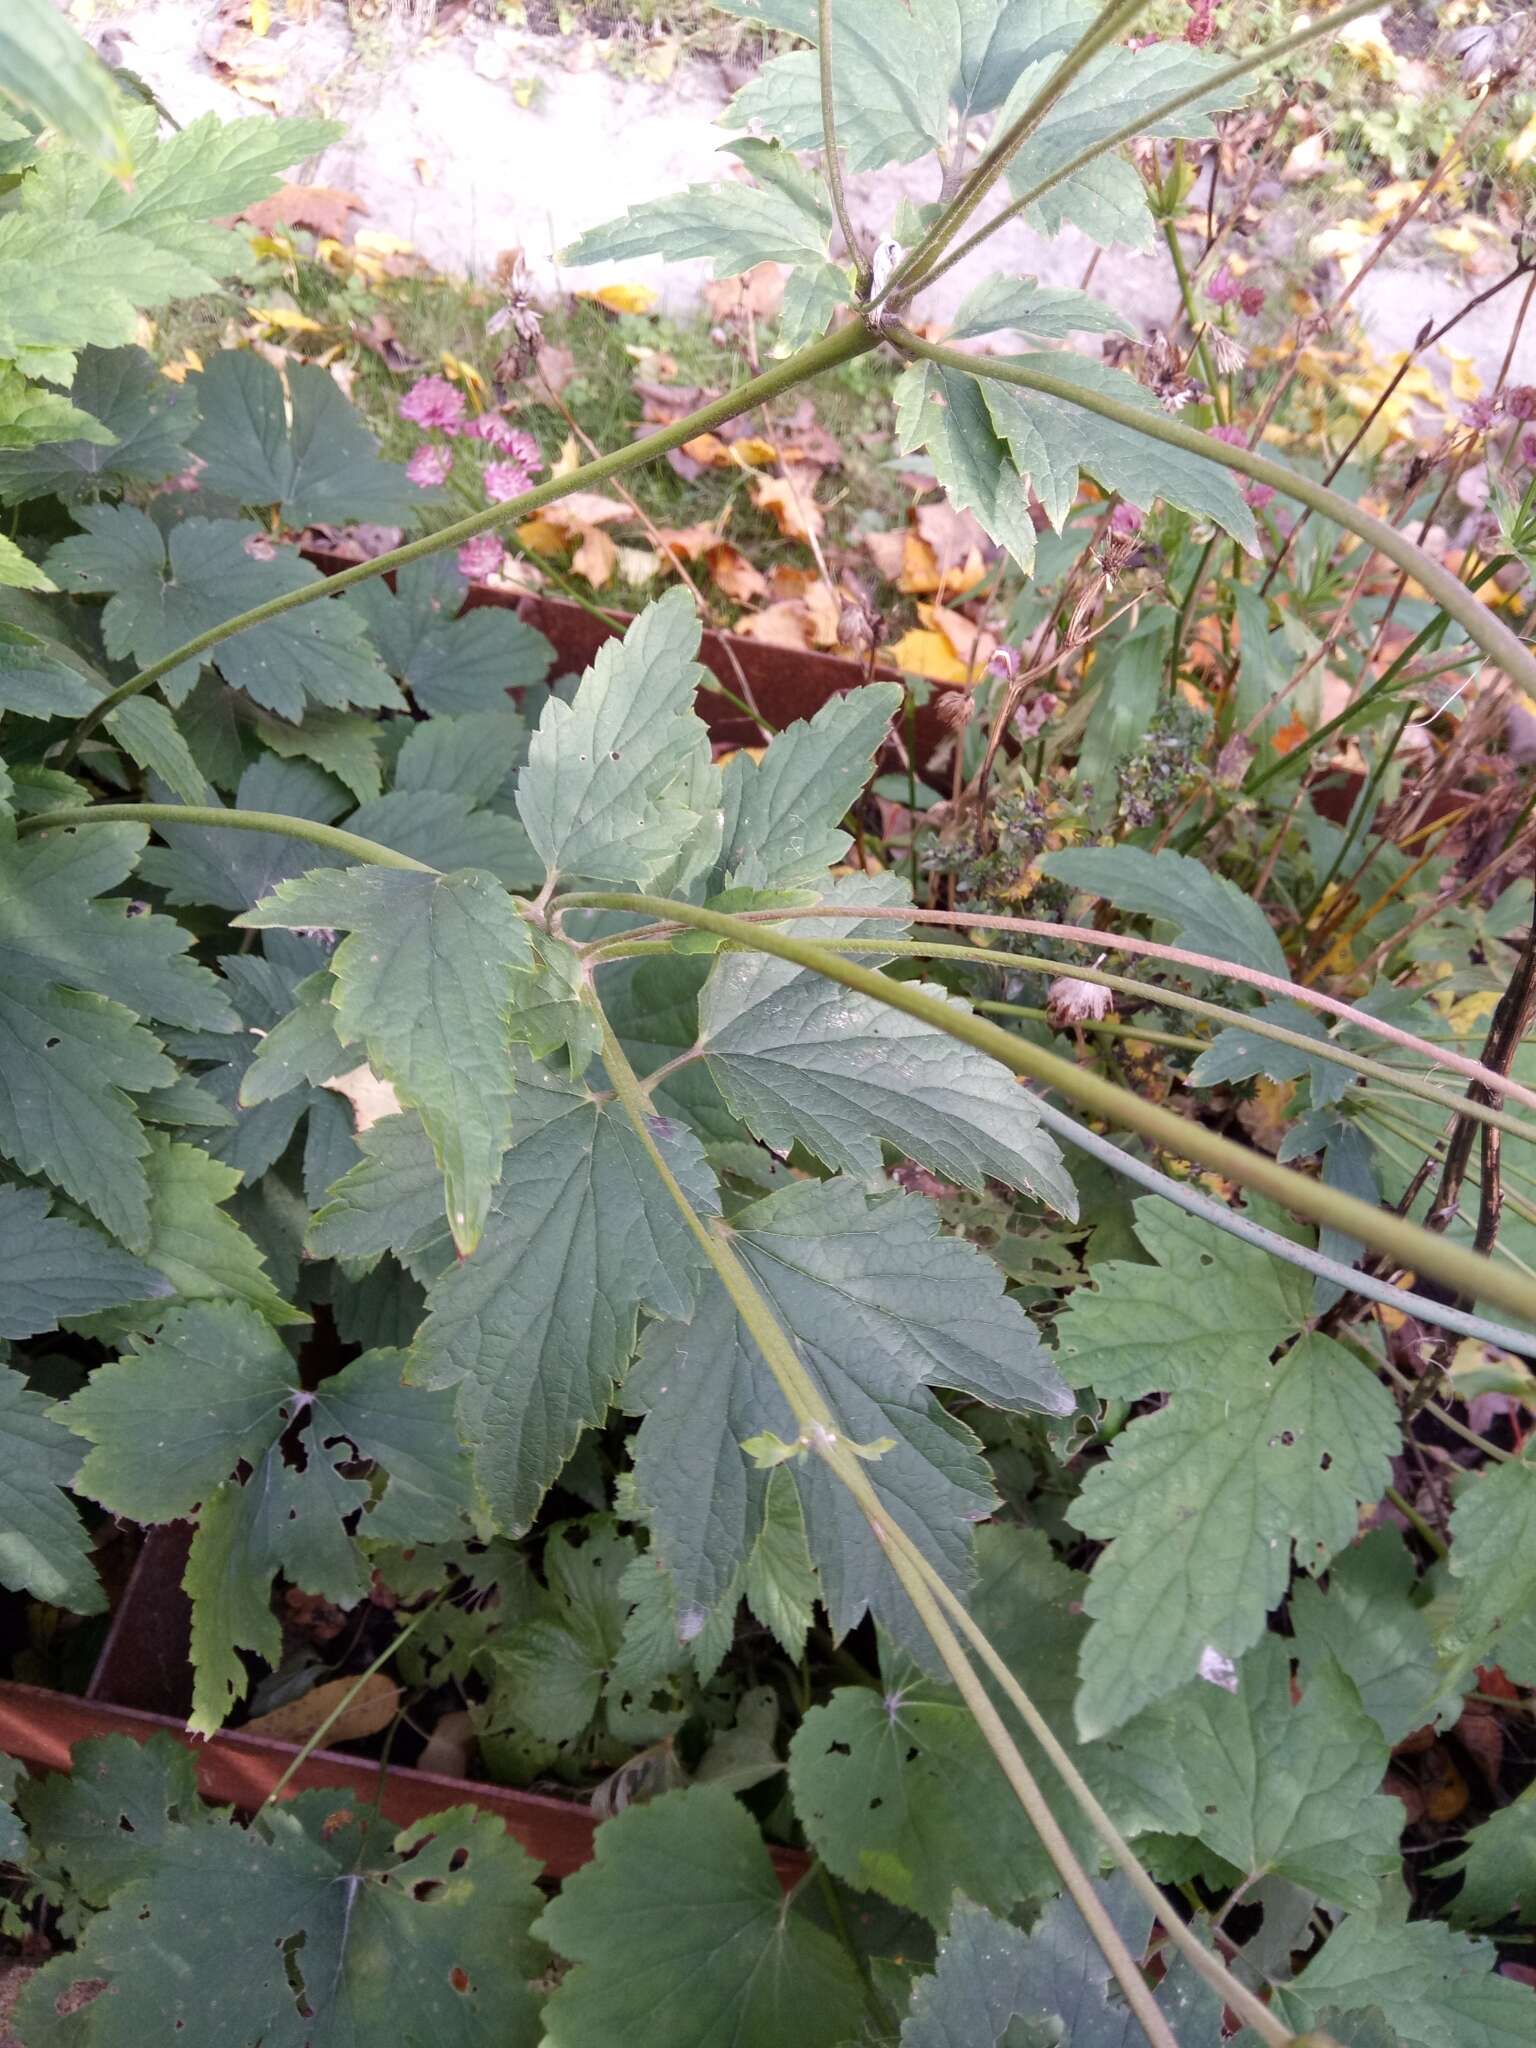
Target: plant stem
x,y
1236,1225
1236,1020
822,1438
1422,1250
1425,1530
1150,949
1501,646
829,155
1271,53
1112,1027
917,267
350,844
838,347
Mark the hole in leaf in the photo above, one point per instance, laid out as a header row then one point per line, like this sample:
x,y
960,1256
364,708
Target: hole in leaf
x,y
458,1978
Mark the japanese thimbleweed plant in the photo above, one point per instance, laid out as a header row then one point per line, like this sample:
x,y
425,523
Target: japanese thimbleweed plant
x,y
648,1046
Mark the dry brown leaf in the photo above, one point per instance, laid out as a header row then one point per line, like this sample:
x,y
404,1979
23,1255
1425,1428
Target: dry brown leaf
x,y
739,579
790,500
556,366
785,624
888,551
322,208
759,291
688,543
824,606
953,536
596,557
371,1098
585,508
372,1710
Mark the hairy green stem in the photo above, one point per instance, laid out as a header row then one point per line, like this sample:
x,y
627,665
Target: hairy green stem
x,y
1193,1203
351,845
1112,1027
829,156
822,1438
839,347
1271,53
1432,1050
917,265
1497,642
1423,1250
1323,1049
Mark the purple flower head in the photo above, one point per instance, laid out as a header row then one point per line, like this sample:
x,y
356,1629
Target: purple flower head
x,y
480,556
1223,288
1126,519
1481,414
1005,662
516,443
1233,436
1258,495
1251,299
432,402
505,481
1520,402
1528,451
429,466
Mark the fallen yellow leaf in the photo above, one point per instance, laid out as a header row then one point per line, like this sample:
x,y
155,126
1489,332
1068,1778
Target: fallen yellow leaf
x,y
287,320
923,651
622,298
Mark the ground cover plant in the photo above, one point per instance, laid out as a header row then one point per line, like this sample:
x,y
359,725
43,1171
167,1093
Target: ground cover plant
x,y
964,1316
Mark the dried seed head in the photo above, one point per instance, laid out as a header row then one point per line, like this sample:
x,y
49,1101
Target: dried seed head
x,y
1070,1001
954,709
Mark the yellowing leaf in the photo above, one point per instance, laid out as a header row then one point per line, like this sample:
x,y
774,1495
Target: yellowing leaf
x,y
465,374
371,1711
1523,146
791,500
542,536
1366,42
921,651
622,298
287,319
596,558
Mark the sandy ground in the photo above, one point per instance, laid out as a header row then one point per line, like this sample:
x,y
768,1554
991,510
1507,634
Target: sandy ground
x,y
442,153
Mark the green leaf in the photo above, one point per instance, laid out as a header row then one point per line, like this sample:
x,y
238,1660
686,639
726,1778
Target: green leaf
x,y
170,1419
1436,1988
305,450
19,571
883,1309
944,412
344,1932
1291,1790
57,1269
1051,440
1368,1624
230,1589
391,1201
548,1013
44,1550
783,813
163,591
1106,199
811,296
39,678
232,869
735,226
448,832
1023,304
602,795
892,67
143,421
780,1578
1493,1560
799,1059
410,1433
1203,1502
202,1252
1498,1868
553,1671
105,1820
988,1976
53,930
425,983
1208,913
450,663
30,413
150,736
66,1062
681,1938
46,66
899,1793
344,743
539,1324
472,755
1176,1324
